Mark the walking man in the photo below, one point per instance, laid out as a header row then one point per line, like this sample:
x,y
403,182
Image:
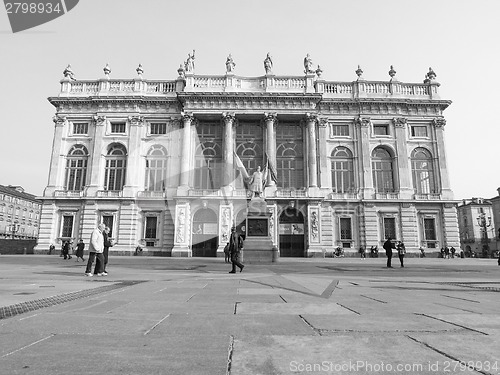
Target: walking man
x,y
96,248
388,246
401,252
235,246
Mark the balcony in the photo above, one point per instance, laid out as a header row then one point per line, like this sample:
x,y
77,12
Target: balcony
x,y
68,194
151,194
427,197
388,195
109,193
343,196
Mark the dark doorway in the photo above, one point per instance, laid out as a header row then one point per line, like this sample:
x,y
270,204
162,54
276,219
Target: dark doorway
x,y
291,229
205,238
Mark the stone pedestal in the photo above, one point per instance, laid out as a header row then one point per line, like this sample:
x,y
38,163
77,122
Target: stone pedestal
x,y
258,246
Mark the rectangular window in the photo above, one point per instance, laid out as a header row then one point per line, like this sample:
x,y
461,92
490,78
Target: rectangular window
x,y
389,227
118,127
67,226
345,228
151,222
380,129
80,128
340,130
419,131
159,128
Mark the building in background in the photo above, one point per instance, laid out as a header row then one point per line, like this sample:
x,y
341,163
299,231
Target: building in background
x,y
166,164
19,213
477,223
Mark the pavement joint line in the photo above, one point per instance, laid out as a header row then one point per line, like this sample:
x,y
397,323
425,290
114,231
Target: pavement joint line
x,y
316,330
157,324
374,299
230,350
347,308
454,324
457,308
327,293
27,346
284,300
285,288
448,356
462,299
236,307
23,307
190,297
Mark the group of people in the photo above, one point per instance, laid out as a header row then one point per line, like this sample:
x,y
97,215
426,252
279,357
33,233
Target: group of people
x,y
99,245
446,252
399,246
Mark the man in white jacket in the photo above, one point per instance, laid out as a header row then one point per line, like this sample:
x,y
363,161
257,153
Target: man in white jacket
x,y
96,248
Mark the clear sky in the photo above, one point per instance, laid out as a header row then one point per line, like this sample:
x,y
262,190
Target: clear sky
x,y
457,38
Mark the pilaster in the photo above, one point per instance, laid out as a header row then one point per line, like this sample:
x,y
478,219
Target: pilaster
x,y
314,248
56,178
446,192
136,124
271,120
226,214
187,119
409,226
324,169
404,167
363,125
311,120
97,156
228,156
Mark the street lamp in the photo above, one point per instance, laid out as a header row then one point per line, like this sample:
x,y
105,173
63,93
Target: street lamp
x,y
484,225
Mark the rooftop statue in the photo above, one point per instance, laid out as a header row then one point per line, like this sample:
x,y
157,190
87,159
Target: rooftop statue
x,y
308,65
230,64
68,73
189,64
268,64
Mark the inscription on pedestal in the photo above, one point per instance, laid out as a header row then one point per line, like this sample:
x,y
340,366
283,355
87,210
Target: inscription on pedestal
x,y
257,227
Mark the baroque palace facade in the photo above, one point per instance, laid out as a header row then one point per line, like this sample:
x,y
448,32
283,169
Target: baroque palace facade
x,y
162,163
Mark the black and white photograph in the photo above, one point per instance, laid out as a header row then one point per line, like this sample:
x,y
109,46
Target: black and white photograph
x,y
224,187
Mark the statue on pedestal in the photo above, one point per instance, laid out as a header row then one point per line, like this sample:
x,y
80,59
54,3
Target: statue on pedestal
x,y
257,183
189,64
308,65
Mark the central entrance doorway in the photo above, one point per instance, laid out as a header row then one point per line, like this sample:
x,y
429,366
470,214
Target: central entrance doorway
x,y
204,237
291,229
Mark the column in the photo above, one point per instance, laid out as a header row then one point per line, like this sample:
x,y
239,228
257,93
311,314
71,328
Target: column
x,y
311,120
442,167
228,156
403,165
364,158
271,119
57,159
95,161
187,119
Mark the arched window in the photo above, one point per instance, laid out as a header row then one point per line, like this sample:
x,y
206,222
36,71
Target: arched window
x,y
383,171
290,156
76,168
116,167
424,181
156,169
342,170
208,171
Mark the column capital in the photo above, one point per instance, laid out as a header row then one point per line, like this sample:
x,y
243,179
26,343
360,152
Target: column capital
x,y
187,116
323,122
229,117
439,122
270,116
363,121
59,120
100,120
136,120
311,117
399,122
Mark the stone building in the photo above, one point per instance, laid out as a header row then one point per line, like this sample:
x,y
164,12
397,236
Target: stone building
x,y
477,222
19,213
164,163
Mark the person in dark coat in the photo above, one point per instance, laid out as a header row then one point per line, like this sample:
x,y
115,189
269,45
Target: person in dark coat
x,y
401,252
227,255
66,250
105,251
235,246
388,246
79,250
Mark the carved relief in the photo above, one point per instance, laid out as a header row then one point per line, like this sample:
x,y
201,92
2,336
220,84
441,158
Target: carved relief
x,y
181,225
225,224
100,120
272,211
314,224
